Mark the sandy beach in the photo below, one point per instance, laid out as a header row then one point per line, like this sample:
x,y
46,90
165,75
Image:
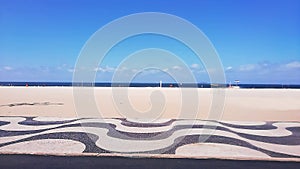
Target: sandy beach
x,y
256,124
239,104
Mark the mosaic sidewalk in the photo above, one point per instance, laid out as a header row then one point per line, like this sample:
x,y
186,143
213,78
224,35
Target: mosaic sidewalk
x,y
174,138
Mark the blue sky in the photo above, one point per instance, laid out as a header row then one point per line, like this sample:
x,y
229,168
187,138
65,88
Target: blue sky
x,y
258,41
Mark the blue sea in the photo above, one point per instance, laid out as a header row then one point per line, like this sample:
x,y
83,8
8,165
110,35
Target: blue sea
x,y
184,85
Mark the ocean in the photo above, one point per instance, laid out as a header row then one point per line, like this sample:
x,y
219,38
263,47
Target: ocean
x,y
184,85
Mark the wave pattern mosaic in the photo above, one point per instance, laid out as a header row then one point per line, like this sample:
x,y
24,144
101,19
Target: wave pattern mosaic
x,y
180,137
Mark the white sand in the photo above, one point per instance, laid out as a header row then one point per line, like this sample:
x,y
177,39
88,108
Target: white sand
x,y
239,105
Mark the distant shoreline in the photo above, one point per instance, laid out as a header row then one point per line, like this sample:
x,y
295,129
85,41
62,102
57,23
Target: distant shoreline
x,y
181,85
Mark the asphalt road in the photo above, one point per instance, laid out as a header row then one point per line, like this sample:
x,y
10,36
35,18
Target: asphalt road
x,y
83,162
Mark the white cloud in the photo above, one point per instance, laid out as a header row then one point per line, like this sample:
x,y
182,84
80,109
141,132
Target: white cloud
x,y
7,68
229,68
100,69
134,70
124,68
266,72
262,68
166,70
195,66
150,71
293,65
154,71
176,68
105,69
62,67
71,70
248,67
